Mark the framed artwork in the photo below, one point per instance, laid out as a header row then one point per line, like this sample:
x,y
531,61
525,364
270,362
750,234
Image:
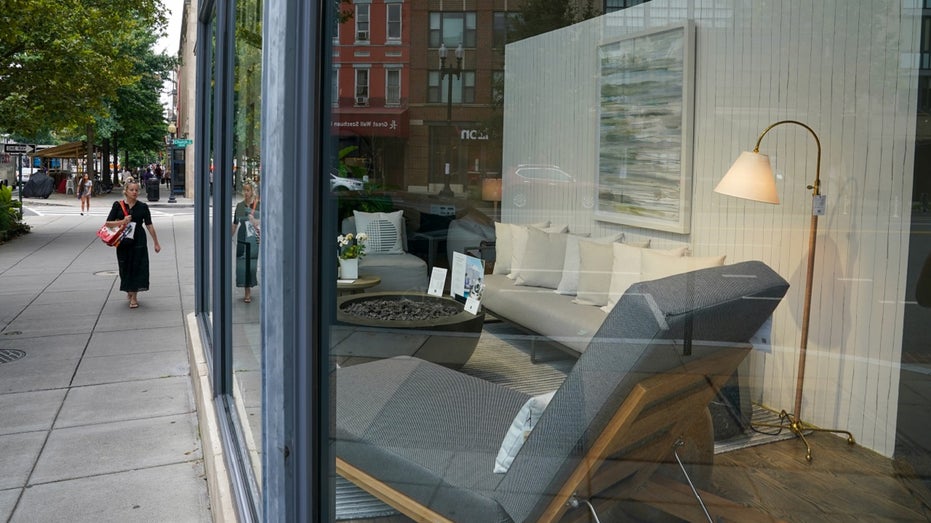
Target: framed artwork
x,y
645,129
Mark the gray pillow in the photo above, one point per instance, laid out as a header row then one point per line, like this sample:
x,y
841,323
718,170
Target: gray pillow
x,y
542,260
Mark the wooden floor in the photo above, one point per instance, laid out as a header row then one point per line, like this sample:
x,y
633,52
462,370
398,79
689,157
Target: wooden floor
x,y
842,483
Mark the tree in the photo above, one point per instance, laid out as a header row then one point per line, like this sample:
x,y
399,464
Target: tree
x,y
541,16
60,61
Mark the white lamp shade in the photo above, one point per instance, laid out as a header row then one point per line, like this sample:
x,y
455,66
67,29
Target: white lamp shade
x,y
751,177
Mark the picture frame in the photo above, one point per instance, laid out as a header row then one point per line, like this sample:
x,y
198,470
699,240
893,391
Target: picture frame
x,y
645,120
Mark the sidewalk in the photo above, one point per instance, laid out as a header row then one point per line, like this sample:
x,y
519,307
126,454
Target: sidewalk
x,y
106,200
96,400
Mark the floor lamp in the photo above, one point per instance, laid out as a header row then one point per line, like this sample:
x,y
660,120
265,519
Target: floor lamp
x,y
751,177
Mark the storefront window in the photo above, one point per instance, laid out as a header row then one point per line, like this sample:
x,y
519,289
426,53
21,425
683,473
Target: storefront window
x,y
529,296
247,231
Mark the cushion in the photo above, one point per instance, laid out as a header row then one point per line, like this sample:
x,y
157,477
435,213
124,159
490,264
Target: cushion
x,y
543,258
517,433
655,266
595,261
626,269
503,249
519,244
569,280
384,230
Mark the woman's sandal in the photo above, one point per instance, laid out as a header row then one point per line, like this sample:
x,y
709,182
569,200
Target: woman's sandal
x,y
247,300
133,305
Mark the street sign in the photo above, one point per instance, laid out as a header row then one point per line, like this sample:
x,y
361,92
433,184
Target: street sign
x,y
182,142
18,148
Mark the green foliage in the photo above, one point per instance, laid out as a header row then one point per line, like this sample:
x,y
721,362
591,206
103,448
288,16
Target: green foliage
x,y
541,16
10,225
62,61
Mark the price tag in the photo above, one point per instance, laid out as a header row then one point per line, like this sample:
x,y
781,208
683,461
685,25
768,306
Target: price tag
x,y
818,205
437,281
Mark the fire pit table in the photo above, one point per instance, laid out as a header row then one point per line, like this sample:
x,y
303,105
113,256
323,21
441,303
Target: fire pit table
x,y
382,325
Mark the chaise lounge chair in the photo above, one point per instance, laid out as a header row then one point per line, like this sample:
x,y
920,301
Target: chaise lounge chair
x,y
424,438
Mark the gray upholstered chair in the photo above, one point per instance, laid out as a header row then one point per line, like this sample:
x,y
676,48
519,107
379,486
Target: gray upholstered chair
x,y
398,272
424,438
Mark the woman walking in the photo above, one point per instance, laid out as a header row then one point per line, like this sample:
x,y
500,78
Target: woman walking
x,y
247,232
132,254
85,187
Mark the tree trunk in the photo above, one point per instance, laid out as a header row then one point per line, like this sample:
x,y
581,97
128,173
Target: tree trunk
x,y
89,166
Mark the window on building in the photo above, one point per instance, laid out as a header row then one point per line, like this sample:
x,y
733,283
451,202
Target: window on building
x,y
497,88
362,22
393,21
334,87
500,27
463,88
452,28
393,87
616,5
362,86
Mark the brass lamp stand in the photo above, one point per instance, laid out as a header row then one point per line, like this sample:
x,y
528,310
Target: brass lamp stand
x,y
751,177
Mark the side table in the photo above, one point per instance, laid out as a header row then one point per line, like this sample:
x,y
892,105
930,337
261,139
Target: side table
x,y
357,285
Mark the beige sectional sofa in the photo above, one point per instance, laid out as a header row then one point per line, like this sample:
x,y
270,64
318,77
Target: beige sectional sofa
x,y
563,285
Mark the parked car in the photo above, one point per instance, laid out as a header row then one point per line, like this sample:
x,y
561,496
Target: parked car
x,y
525,175
339,183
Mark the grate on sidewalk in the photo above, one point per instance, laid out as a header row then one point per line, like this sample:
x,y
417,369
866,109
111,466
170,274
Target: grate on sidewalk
x,y
8,355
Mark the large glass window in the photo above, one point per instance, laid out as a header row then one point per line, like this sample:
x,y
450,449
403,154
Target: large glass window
x,y
362,86
463,87
452,29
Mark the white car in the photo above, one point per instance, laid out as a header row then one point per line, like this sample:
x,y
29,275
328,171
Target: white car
x,y
338,183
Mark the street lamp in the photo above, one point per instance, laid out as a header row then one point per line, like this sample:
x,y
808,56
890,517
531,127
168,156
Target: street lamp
x,y
448,72
172,129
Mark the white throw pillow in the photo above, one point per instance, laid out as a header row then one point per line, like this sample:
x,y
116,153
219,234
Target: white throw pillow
x,y
626,269
384,229
569,281
504,242
543,257
519,244
526,419
654,266
595,261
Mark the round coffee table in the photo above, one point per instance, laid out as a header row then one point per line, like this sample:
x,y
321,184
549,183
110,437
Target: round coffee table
x,y
357,285
448,341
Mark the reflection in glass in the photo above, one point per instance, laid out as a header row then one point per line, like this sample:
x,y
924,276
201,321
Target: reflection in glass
x,y
246,232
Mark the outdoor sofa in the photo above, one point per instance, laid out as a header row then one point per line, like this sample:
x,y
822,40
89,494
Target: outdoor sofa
x,y
425,438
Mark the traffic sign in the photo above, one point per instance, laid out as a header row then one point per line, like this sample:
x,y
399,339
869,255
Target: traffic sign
x,y
182,142
18,148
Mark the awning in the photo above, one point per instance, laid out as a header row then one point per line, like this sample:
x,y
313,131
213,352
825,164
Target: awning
x,y
65,150
370,121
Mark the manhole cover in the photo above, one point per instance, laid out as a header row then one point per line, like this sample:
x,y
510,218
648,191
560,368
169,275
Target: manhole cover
x,y
107,273
8,355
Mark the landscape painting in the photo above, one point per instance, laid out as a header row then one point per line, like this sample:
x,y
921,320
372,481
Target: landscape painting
x,y
645,135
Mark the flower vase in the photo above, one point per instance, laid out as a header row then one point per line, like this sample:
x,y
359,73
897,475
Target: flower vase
x,y
349,269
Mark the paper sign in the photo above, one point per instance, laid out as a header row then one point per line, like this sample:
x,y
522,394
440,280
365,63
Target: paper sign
x,y
437,281
471,305
818,205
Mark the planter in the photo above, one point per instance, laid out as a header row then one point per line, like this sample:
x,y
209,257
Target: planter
x,y
349,269
448,340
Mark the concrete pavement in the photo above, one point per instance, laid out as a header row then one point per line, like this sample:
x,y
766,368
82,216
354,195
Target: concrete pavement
x,y
97,411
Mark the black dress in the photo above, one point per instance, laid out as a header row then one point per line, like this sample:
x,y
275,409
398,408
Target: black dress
x,y
132,254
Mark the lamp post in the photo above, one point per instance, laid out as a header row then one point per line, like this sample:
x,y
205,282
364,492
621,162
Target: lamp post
x,y
172,129
448,72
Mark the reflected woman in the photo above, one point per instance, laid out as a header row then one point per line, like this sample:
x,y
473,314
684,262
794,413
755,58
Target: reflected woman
x,y
247,232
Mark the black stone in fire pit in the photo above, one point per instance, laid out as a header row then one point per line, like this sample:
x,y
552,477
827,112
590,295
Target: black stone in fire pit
x,y
387,324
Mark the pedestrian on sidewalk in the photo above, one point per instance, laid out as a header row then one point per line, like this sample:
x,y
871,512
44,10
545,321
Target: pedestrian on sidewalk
x,y
132,254
85,188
